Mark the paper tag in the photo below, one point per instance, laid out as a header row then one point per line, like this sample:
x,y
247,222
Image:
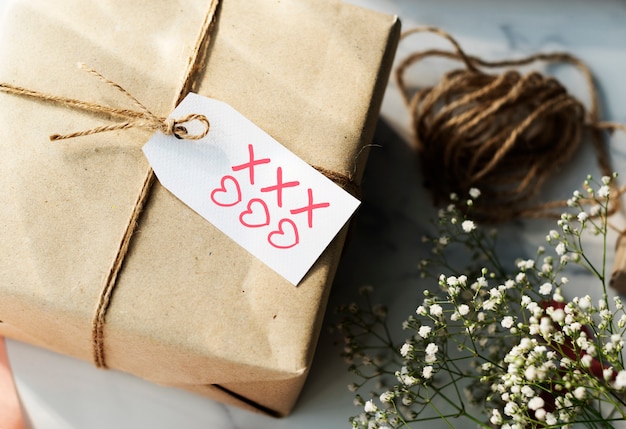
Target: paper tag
x,y
252,188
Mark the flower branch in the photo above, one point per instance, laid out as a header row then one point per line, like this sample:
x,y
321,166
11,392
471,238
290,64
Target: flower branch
x,y
502,336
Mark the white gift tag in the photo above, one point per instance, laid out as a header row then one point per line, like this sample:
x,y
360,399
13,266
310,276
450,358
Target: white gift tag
x,y
252,188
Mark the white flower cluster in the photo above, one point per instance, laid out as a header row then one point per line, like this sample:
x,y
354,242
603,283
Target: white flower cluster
x,y
540,359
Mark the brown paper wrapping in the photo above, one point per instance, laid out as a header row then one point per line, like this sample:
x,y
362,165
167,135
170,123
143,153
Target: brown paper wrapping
x,y
190,308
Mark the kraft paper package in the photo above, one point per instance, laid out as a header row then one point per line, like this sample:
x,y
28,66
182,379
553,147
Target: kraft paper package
x,y
189,307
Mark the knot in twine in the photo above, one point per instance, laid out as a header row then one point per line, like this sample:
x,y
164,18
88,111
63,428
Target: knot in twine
x,y
141,118
175,127
502,134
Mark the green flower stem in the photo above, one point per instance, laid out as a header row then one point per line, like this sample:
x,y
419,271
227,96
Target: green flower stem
x,y
460,409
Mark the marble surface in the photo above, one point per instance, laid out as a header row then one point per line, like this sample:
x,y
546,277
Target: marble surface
x,y
63,393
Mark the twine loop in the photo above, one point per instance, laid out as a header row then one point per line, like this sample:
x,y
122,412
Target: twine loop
x,y
168,126
504,134
140,118
175,127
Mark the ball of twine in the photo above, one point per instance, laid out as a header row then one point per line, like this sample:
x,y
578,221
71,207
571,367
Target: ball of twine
x,y
504,134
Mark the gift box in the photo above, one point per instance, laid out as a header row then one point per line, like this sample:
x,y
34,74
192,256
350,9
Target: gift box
x,y
187,306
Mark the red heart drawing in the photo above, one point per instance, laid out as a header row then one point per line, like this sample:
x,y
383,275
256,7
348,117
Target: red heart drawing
x,y
284,238
256,215
228,194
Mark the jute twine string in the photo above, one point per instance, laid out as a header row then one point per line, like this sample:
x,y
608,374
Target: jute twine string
x,y
193,69
142,118
505,134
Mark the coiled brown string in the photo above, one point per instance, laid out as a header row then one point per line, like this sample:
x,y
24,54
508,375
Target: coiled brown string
x,y
504,134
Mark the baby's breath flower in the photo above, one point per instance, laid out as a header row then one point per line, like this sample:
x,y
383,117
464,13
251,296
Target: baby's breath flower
x,y
558,315
406,349
545,288
557,296
436,310
496,417
537,357
511,408
584,303
536,403
405,378
432,348
527,264
507,322
424,331
620,380
586,360
387,397
427,372
474,193
580,393
595,210
528,391
463,309
604,191
370,407
540,414
468,225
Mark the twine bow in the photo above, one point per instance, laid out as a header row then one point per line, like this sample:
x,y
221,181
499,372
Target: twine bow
x,y
141,118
